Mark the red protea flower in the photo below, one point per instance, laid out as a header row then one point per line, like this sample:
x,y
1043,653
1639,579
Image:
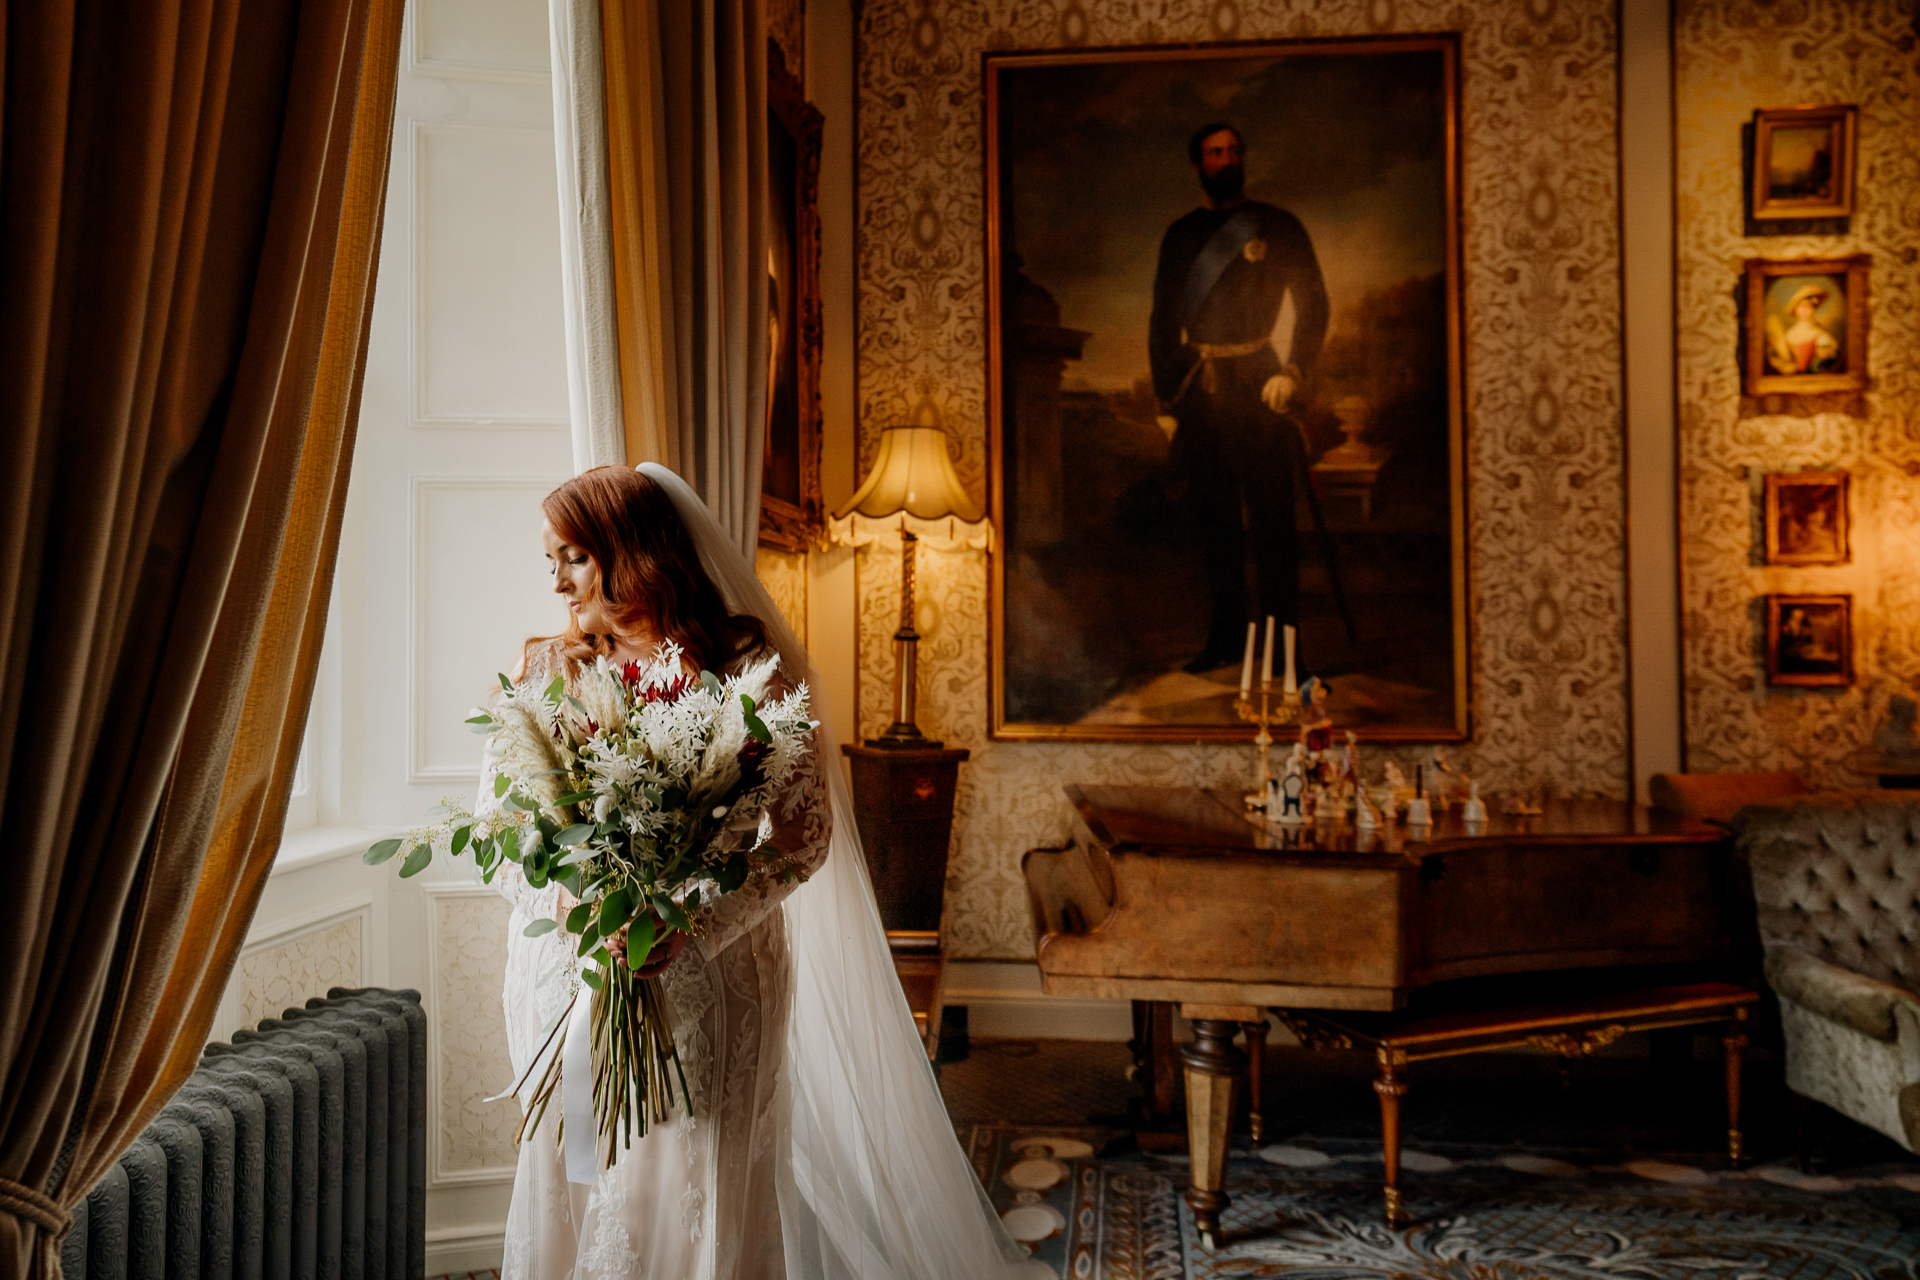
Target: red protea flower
x,y
672,691
753,758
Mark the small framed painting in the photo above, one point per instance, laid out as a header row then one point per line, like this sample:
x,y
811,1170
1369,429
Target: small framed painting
x,y
1807,518
1806,325
1803,162
1810,640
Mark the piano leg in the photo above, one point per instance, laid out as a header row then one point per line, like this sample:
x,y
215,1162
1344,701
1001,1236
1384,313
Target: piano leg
x,y
1736,1043
1256,1064
1391,1089
1213,1065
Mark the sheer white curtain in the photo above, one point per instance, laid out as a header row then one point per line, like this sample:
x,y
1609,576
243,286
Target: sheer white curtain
x,y
664,240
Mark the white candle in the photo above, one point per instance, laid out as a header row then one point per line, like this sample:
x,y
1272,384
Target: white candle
x,y
1266,659
1246,664
1289,688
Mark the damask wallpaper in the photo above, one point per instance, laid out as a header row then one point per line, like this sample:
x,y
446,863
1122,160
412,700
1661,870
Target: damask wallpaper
x,y
1732,56
1543,379
784,575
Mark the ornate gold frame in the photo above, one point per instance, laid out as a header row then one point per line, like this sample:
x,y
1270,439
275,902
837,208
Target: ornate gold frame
x,y
1758,272
1778,480
999,727
1842,123
1779,679
785,525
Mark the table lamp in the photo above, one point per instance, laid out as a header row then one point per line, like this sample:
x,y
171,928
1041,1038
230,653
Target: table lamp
x,y
903,782
912,487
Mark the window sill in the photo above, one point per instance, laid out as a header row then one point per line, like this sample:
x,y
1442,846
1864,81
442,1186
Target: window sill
x,y
311,846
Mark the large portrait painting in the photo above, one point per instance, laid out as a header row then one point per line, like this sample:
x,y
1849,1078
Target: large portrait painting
x,y
1225,381
792,514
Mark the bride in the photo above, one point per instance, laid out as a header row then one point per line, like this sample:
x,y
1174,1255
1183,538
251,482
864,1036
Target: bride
x,y
817,1145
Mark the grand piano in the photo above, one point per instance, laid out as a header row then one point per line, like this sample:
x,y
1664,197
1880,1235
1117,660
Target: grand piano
x,y
1174,897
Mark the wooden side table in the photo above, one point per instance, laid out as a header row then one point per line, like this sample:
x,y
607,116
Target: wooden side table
x,y
903,802
1573,1026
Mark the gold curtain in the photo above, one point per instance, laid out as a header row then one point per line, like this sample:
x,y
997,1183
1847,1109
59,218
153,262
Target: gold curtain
x,y
191,193
686,103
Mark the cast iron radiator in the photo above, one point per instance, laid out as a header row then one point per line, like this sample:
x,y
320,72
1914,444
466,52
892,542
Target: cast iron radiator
x,y
299,1150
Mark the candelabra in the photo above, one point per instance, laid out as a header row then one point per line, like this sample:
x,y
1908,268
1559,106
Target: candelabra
x,y
1286,711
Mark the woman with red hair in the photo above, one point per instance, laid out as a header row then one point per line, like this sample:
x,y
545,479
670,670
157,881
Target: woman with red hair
x,y
817,1145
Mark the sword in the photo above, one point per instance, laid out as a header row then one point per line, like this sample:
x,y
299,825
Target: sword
x,y
1297,441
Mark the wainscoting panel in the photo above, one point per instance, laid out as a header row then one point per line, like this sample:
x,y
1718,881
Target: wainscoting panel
x,y
471,1139
480,39
477,592
300,959
489,340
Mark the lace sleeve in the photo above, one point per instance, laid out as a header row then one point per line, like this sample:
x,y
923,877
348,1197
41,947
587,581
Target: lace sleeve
x,y
539,661
802,820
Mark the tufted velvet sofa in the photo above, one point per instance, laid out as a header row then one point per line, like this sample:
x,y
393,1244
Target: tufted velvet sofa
x,y
1836,881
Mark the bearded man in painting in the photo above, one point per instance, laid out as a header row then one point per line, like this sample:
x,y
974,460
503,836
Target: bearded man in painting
x,y
1224,271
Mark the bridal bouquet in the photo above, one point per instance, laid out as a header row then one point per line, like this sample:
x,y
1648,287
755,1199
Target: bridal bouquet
x,y
644,793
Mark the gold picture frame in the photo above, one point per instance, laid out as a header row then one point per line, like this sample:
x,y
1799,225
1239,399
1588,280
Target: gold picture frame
x,y
1809,641
1803,162
792,512
1808,517
1806,325
1101,630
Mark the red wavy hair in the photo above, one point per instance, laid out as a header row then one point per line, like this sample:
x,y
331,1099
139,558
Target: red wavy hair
x,y
650,575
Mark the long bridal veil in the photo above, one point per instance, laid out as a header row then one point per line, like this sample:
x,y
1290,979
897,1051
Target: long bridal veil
x,y
880,1189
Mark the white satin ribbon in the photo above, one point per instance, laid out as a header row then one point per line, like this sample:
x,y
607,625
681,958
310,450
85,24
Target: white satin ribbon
x,y
576,1092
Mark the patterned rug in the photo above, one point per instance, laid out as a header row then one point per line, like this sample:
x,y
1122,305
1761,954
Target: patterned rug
x,y
1092,1208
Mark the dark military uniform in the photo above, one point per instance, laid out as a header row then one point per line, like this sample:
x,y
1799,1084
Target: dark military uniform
x,y
1231,460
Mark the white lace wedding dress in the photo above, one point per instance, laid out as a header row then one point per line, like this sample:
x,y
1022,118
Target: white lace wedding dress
x,y
818,1147
697,1196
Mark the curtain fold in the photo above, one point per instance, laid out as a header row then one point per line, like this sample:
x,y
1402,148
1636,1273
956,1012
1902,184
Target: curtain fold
x,y
191,195
683,107
594,380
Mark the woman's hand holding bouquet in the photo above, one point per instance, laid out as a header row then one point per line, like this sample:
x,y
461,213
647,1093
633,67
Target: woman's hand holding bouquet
x,y
645,792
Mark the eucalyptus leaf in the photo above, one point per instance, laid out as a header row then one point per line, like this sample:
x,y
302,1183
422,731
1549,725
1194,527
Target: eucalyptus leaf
x,y
482,718
460,837
574,797
578,917
504,682
555,689
577,834
711,683
756,729
640,942
380,852
615,909
539,927
591,978
589,939
574,857
500,784
417,861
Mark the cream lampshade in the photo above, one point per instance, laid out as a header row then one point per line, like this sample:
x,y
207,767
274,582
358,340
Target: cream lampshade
x,y
914,488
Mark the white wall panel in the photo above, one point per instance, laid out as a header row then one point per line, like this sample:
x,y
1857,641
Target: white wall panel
x,y
489,342
481,39
480,588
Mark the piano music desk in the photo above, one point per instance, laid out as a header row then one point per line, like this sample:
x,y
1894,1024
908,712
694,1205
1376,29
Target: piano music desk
x,y
1176,896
